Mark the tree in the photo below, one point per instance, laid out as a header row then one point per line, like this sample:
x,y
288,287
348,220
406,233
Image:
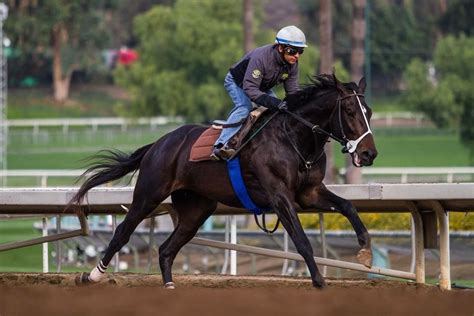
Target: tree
x,y
398,34
326,65
458,18
72,32
248,25
353,174
443,90
183,61
120,20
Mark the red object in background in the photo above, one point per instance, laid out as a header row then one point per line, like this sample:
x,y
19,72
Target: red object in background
x,y
127,56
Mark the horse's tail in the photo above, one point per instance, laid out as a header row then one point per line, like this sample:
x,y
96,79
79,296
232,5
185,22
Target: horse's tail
x,y
111,165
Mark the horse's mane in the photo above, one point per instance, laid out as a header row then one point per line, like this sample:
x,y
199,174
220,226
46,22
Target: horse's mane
x,y
319,86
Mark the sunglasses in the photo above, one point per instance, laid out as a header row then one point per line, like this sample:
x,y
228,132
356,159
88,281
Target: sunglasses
x,y
290,50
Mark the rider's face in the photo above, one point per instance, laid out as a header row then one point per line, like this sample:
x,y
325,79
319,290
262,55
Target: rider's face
x,y
291,54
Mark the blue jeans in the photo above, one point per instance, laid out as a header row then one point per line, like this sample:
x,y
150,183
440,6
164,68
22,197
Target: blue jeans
x,y
242,108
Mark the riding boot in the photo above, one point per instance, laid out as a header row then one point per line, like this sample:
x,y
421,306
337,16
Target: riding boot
x,y
221,152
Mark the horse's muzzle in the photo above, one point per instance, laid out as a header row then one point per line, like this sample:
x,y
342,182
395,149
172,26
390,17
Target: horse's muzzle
x,y
367,157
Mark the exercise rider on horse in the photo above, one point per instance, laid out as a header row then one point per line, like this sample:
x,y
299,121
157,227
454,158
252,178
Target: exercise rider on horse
x,y
252,78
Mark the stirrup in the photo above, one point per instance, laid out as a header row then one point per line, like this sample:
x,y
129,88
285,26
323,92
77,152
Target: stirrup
x,y
222,153
227,152
215,155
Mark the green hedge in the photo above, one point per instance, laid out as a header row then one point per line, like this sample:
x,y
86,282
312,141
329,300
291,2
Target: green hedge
x,y
378,221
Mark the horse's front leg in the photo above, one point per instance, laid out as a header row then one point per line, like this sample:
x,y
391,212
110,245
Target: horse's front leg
x,y
321,198
286,211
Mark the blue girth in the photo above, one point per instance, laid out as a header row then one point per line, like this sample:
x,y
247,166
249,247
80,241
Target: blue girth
x,y
235,175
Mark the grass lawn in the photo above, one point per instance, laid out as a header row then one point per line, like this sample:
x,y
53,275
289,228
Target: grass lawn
x,y
85,101
51,149
27,259
444,150
23,259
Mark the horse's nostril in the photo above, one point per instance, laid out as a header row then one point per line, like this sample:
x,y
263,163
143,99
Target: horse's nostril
x,y
369,154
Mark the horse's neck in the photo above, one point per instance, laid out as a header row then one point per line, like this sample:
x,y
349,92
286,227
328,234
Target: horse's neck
x,y
301,135
321,116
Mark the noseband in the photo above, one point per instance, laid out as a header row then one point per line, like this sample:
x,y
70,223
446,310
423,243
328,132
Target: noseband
x,y
349,146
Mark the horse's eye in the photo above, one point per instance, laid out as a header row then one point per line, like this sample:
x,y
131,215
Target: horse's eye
x,y
350,113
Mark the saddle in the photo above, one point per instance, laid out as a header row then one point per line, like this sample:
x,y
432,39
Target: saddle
x,y
202,147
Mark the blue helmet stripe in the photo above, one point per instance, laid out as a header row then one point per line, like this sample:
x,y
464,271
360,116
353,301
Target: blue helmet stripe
x,y
284,41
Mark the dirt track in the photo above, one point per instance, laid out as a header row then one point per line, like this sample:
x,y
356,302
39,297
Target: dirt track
x,y
139,294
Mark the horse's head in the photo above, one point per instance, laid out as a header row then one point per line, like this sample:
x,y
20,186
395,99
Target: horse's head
x,y
337,110
353,118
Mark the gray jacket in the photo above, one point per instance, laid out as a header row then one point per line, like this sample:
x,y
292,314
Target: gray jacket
x,y
262,69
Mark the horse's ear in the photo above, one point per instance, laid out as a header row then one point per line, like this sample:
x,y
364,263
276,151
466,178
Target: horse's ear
x,y
339,86
362,85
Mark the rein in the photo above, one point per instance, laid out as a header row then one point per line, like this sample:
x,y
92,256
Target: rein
x,y
308,163
264,225
315,129
253,135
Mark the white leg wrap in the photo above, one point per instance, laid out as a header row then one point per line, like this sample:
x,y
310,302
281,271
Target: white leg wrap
x,y
97,273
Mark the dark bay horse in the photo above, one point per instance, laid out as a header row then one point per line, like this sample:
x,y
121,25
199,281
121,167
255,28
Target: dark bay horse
x,y
283,168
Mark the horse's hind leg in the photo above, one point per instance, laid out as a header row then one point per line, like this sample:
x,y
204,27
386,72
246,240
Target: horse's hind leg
x,y
143,204
193,210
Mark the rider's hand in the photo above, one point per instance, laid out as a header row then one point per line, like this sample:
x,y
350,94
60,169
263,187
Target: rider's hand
x,y
282,106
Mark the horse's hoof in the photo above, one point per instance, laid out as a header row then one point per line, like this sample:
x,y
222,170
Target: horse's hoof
x,y
169,286
320,286
319,283
364,256
82,279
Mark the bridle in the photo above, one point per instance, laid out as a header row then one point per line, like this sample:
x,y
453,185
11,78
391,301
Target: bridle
x,y
348,146
351,145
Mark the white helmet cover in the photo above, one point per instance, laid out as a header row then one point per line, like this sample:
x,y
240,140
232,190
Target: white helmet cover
x,y
291,35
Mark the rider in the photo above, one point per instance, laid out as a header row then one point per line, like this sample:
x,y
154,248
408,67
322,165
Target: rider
x,y
252,78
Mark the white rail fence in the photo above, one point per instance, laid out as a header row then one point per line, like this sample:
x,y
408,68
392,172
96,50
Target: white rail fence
x,y
392,118
429,204
387,119
373,174
414,174
93,122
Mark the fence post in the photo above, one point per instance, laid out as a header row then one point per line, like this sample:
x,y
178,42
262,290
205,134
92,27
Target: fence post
x,y
45,246
116,257
444,257
58,244
323,241
419,252
233,240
